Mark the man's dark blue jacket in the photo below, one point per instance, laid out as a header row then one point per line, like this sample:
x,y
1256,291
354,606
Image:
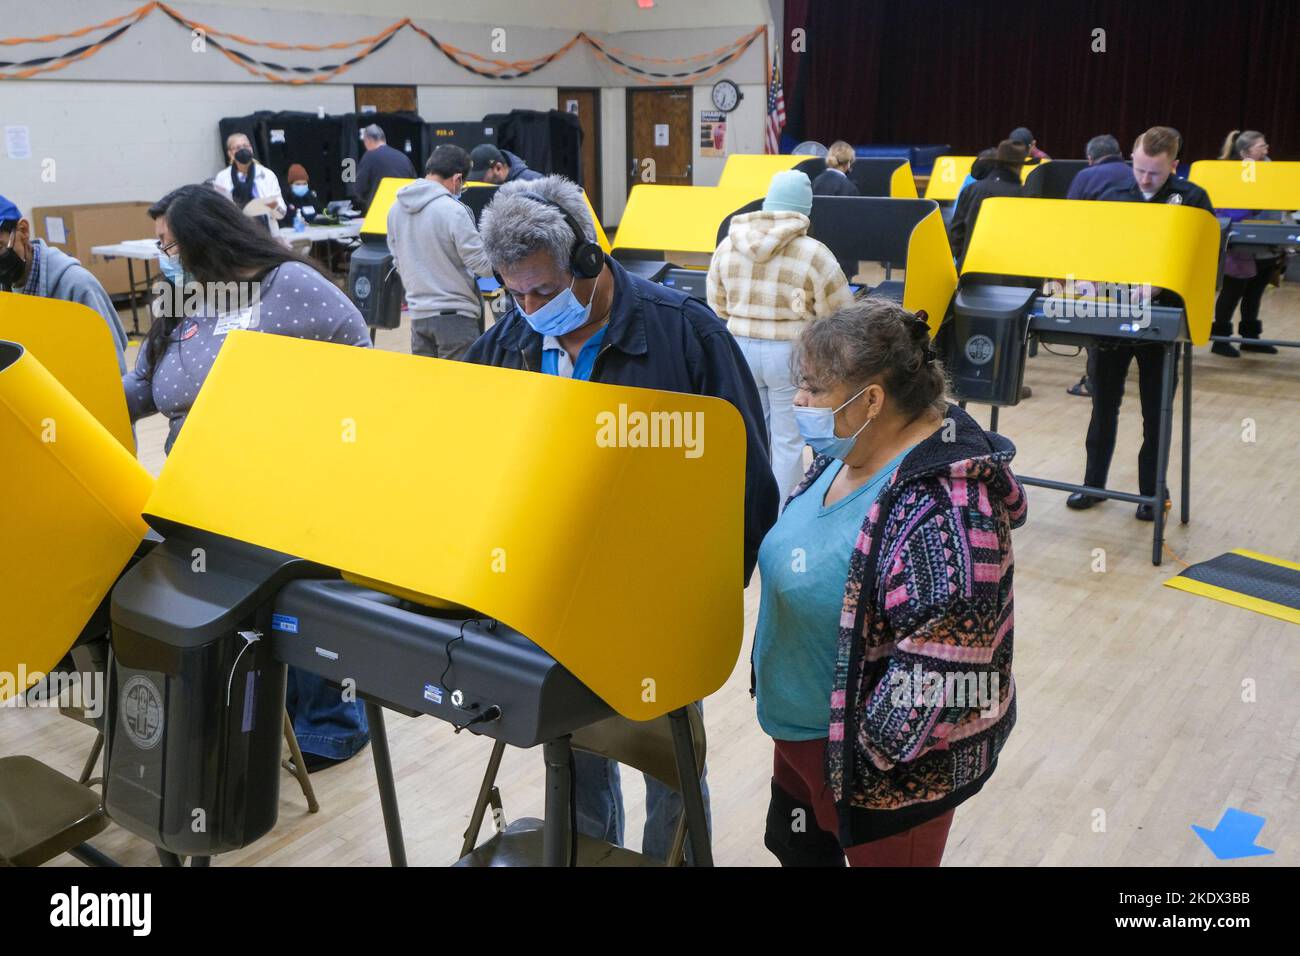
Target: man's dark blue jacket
x,y
660,338
1090,183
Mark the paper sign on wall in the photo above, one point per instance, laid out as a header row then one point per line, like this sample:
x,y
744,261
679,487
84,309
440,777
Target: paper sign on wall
x,y
713,133
55,233
571,106
661,134
18,142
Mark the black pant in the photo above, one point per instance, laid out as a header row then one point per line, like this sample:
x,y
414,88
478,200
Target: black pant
x,y
1248,292
1107,369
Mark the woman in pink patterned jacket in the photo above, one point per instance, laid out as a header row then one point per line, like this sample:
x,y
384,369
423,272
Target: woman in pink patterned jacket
x,y
882,655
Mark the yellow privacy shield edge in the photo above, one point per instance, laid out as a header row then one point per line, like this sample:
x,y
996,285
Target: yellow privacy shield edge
x,y
72,498
1168,246
677,218
528,497
946,177
376,221
75,345
902,184
950,171
753,172
931,278
1245,184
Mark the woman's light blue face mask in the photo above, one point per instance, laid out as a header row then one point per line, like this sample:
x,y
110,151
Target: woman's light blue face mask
x,y
561,315
817,426
171,267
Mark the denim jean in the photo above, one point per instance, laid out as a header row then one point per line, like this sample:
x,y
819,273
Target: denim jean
x,y
769,361
598,799
325,723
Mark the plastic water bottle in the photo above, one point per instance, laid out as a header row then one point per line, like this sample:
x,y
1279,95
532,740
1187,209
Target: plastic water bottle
x,y
299,223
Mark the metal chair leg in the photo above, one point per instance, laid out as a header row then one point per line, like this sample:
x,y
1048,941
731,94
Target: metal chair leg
x,y
299,767
91,760
697,826
485,794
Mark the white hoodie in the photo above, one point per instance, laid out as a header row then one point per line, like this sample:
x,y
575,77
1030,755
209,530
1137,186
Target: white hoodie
x,y
437,250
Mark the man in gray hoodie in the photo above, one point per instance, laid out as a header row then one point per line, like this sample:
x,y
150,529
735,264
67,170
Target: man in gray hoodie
x,y
31,267
438,253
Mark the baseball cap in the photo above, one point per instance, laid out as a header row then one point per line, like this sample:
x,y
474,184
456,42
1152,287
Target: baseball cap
x,y
8,210
481,157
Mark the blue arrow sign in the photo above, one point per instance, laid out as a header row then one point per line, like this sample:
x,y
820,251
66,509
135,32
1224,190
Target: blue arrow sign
x,y
1235,835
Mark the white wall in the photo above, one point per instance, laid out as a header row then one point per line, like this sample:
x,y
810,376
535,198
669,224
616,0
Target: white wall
x,y
106,142
141,117
745,129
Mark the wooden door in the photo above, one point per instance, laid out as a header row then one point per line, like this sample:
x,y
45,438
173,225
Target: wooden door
x,y
385,99
585,104
659,146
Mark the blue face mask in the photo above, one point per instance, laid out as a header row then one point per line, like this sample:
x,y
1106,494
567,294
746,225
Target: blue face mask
x,y
171,267
561,315
299,189
817,426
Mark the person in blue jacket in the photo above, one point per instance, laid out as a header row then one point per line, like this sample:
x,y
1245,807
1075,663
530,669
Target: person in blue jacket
x,y
579,314
1106,168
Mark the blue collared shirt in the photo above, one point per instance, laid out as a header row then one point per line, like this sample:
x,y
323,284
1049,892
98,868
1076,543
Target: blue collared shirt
x,y
556,361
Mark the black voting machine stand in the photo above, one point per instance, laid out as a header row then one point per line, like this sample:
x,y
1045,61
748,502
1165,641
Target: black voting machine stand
x,y
199,662
1255,234
986,340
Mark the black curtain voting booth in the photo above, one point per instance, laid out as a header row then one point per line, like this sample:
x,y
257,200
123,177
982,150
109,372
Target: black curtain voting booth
x,y
550,142
464,135
405,132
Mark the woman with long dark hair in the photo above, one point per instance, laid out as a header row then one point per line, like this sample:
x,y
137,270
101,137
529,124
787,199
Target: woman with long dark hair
x,y
229,274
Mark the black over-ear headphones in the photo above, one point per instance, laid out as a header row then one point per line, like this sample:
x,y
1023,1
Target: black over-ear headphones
x,y
586,258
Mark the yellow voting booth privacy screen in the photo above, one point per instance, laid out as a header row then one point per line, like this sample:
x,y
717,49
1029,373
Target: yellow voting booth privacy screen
x,y
72,498
1166,246
1247,184
74,343
376,221
605,523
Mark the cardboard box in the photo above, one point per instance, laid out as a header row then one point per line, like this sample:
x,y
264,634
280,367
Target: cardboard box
x,y
82,227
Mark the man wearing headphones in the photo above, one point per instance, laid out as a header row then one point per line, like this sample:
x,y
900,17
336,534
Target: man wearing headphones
x,y
580,314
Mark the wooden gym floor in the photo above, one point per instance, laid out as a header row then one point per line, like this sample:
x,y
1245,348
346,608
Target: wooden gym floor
x,y
1132,724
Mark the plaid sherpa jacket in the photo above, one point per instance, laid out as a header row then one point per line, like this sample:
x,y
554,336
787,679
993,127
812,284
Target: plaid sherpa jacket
x,y
923,698
768,277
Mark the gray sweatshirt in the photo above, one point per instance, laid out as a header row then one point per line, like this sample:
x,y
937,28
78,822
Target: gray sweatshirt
x,y
437,250
294,300
60,276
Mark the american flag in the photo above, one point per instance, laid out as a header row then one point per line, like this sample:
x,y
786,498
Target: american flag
x,y
775,111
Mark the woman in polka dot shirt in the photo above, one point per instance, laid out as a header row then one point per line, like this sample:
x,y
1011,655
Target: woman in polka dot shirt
x,y
229,274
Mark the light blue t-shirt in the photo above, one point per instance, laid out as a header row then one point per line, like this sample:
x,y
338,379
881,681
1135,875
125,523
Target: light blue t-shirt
x,y
804,564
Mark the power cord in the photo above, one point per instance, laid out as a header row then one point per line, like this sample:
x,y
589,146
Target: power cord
x,y
250,638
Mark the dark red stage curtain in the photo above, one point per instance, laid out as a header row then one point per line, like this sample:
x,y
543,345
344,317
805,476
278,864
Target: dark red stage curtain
x,y
965,72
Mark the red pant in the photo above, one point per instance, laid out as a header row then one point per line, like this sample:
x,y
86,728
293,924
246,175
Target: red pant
x,y
799,770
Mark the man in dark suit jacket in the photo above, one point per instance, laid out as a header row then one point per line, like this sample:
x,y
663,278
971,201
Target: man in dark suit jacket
x,y
835,180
